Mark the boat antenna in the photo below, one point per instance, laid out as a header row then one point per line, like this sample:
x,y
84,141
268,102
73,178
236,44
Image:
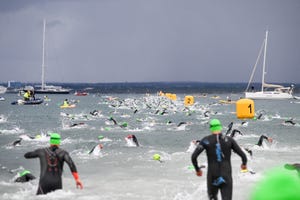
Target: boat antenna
x,y
264,63
43,57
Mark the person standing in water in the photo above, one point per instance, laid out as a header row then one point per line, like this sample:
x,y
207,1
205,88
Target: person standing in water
x,y
218,149
51,165
26,95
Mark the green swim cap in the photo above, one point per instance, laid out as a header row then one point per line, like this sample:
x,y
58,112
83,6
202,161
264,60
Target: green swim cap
x,y
191,167
124,124
278,184
55,139
107,128
23,173
215,125
100,137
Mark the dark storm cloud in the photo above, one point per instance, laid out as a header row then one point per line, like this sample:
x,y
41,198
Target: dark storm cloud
x,y
139,40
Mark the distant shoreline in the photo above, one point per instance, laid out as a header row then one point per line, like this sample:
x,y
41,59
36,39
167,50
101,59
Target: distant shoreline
x,y
153,87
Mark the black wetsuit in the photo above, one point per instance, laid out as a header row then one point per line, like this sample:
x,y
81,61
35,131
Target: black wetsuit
x,y
295,166
135,140
229,128
94,113
289,122
260,141
259,116
205,113
17,142
181,123
25,178
51,165
76,124
234,131
112,119
219,164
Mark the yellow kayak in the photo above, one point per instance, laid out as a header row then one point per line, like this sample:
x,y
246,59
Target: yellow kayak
x,y
68,106
227,101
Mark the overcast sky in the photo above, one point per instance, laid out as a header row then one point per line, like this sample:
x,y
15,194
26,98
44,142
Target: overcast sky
x,y
149,40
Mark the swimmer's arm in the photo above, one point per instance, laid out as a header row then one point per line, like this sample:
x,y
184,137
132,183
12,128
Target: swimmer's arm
x,y
30,176
195,155
32,154
237,149
73,169
70,162
78,182
91,151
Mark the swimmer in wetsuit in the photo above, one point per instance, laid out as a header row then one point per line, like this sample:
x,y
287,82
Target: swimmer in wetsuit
x,y
290,121
295,166
112,119
229,128
218,150
24,176
76,124
134,139
181,123
234,131
261,138
94,112
51,164
17,142
96,149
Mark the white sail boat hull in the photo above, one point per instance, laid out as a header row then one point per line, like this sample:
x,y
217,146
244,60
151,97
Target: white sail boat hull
x,y
277,92
2,89
268,95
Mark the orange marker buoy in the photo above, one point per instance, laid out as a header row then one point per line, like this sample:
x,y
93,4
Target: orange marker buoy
x,y
188,100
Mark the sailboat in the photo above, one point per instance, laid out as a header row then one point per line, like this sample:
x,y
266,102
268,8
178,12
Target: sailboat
x,y
268,91
2,89
43,88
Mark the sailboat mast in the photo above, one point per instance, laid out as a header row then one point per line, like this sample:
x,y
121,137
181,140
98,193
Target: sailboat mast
x,y
264,63
43,57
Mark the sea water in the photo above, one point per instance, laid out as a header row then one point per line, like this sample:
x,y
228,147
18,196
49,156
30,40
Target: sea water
x,y
122,171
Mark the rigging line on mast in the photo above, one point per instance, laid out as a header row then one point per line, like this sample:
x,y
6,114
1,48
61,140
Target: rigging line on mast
x,y
254,68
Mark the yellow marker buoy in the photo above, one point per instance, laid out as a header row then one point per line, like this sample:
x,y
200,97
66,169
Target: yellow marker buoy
x,y
188,100
168,95
171,96
245,109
